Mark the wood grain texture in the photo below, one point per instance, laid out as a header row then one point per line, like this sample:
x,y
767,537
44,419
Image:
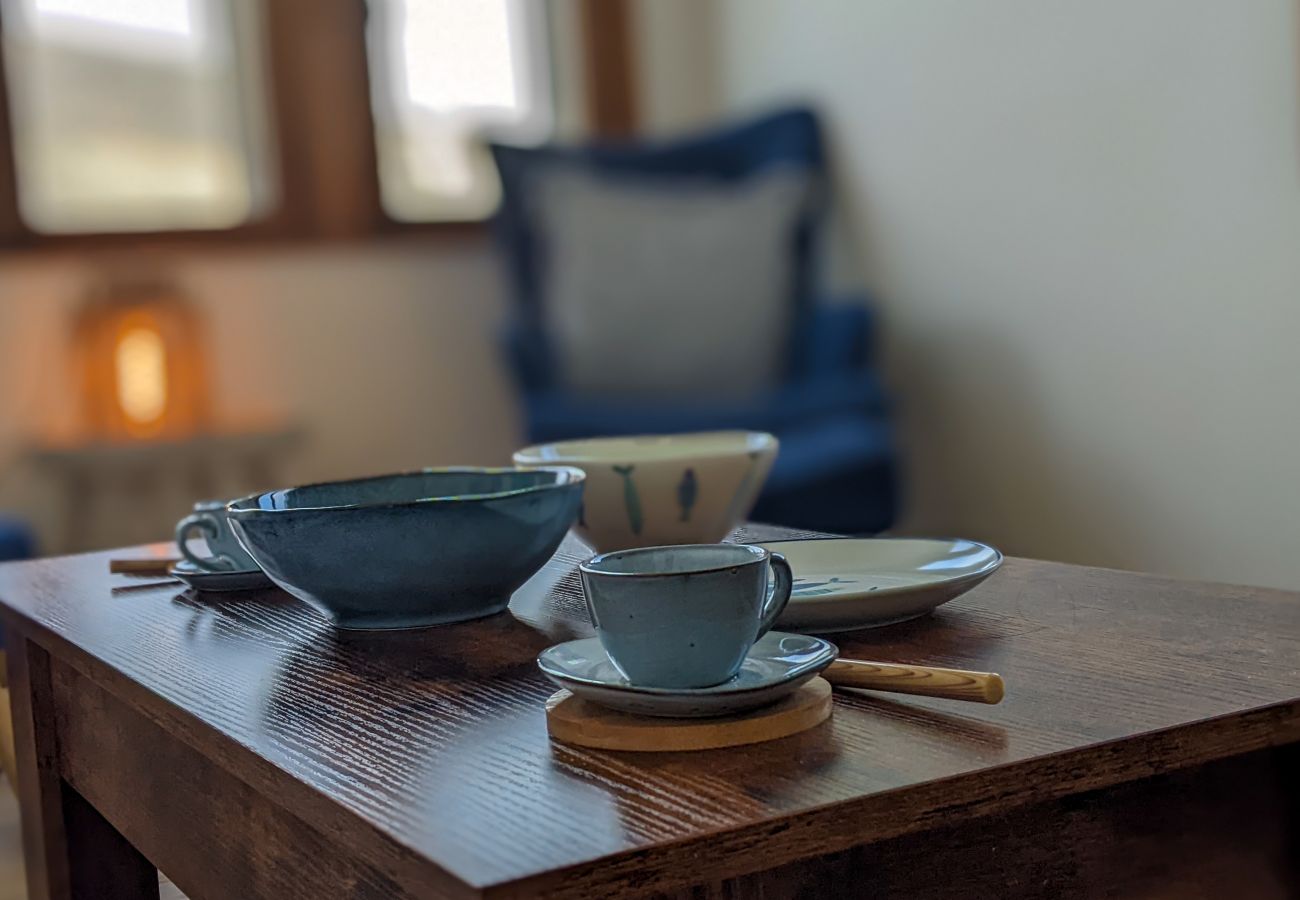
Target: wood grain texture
x,y
39,786
920,681
246,847
426,754
71,852
1221,830
579,723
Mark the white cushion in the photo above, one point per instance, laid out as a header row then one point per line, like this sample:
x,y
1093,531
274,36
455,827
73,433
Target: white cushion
x,y
668,286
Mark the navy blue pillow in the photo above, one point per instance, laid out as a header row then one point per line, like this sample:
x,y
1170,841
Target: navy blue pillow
x,y
790,138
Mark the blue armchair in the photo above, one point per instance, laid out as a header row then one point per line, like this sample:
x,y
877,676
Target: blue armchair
x,y
15,540
836,470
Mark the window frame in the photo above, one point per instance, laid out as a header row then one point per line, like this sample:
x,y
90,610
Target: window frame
x,y
322,157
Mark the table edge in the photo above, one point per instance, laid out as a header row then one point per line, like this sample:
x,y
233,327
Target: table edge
x,y
906,810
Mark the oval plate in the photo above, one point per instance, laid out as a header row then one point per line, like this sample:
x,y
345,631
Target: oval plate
x,y
843,584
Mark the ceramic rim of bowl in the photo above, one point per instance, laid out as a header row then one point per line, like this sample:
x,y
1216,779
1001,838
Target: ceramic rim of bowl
x,y
534,455
570,476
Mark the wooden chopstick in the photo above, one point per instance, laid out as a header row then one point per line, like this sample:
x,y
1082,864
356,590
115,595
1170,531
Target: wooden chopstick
x,y
151,566
925,681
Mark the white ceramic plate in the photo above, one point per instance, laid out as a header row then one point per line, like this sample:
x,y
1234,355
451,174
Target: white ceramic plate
x,y
778,664
203,580
842,584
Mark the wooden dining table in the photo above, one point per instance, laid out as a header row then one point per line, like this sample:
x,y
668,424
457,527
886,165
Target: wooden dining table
x,y
1147,747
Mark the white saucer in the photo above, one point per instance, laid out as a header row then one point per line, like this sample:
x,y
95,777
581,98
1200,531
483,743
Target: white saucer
x,y
203,580
776,665
843,584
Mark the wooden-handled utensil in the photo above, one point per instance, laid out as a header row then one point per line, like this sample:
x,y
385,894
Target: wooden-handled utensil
x,y
926,681
150,566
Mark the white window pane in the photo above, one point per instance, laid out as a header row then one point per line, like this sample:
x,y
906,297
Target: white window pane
x,y
151,15
132,115
444,74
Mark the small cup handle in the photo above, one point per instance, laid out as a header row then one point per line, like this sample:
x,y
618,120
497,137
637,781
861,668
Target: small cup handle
x,y
778,594
204,523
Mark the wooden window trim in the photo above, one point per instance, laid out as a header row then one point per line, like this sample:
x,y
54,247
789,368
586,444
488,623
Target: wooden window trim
x,y
11,224
324,158
609,68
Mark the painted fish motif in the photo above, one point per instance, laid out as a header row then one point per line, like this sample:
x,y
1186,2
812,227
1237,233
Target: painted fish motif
x,y
686,492
746,485
630,498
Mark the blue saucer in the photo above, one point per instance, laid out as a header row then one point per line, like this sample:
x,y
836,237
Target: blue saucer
x,y
778,664
204,580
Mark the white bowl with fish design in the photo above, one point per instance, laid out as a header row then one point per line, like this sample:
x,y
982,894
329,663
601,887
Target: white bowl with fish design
x,y
654,490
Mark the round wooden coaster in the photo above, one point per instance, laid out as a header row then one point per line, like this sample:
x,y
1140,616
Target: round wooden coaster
x,y
584,724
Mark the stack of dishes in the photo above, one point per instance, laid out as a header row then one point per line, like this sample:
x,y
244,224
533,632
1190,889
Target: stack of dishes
x,y
683,623
777,665
838,585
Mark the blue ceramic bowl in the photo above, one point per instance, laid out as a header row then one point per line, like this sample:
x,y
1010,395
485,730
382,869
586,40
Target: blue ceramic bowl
x,y
402,551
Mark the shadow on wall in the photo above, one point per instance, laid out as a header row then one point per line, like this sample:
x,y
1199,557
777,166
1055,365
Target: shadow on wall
x,y
985,453
1023,483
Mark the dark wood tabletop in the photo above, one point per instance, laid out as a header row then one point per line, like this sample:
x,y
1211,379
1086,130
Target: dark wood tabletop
x,y
425,755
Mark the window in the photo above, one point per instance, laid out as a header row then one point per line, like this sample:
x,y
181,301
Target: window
x,y
444,74
132,115
183,120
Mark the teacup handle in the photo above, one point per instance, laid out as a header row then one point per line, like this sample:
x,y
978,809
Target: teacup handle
x,y
778,594
206,524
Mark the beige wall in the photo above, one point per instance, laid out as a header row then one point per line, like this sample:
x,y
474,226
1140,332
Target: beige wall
x,y
1083,223
387,357
675,63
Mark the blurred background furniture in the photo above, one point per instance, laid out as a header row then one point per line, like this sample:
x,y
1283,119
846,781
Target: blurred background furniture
x,y
16,541
158,481
837,466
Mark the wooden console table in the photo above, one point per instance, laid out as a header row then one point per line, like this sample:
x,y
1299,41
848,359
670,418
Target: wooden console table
x,y
137,490
1147,747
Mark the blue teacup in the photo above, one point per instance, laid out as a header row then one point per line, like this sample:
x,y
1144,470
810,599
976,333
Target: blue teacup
x,y
685,616
227,555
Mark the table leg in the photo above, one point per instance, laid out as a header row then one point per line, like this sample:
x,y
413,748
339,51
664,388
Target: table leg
x,y
71,851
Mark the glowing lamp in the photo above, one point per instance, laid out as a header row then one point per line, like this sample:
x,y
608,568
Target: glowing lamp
x,y
143,371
